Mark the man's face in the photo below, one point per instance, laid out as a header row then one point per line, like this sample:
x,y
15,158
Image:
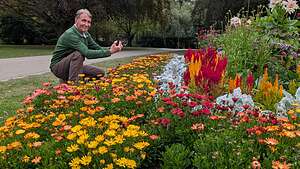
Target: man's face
x,y
83,22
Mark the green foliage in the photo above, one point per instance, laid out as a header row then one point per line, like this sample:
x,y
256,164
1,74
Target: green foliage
x,y
283,31
246,50
176,157
278,25
17,30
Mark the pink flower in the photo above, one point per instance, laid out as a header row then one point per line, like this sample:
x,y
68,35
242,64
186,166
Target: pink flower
x,y
153,137
164,121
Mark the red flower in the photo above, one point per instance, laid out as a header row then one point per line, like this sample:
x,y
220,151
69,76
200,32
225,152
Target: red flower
x,y
196,113
214,117
164,121
205,111
178,111
192,104
207,104
250,81
235,99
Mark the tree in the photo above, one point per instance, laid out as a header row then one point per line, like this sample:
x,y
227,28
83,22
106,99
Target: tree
x,y
52,15
180,18
209,12
17,30
130,16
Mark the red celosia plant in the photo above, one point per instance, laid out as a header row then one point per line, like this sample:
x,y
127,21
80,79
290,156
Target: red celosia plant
x,y
206,70
238,82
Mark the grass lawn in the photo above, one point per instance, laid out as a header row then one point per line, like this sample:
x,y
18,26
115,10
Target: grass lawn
x,y
13,51
13,92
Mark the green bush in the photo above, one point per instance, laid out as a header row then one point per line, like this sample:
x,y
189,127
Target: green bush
x,y
246,49
176,157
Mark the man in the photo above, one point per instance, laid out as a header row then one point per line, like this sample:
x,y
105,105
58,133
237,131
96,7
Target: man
x,y
76,44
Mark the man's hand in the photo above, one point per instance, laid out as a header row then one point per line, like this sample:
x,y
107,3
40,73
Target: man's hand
x,y
116,47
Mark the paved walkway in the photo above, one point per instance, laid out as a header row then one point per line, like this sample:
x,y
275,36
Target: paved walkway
x,y
14,68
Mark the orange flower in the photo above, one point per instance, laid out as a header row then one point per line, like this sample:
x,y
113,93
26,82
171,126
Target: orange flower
x,y
271,141
37,144
288,126
278,165
272,128
29,109
57,152
115,100
98,108
161,109
36,160
286,133
198,127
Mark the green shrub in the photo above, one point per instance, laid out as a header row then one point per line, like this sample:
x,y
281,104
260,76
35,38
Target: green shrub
x,y
176,156
245,48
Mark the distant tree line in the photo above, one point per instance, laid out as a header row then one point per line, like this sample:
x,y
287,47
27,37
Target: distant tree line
x,y
167,23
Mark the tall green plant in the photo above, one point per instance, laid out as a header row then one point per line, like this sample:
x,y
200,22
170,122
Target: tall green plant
x,y
176,157
245,48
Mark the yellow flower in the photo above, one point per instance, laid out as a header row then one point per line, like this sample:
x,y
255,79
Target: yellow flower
x,y
124,162
20,132
113,155
85,160
99,138
131,133
119,139
89,121
73,148
81,140
141,145
109,142
75,162
110,133
102,150
81,132
25,159
109,166
93,144
113,126
76,128
2,149
102,161
61,117
126,149
143,155
71,136
143,133
31,135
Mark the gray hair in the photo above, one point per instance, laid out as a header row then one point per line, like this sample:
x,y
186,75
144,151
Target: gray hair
x,y
81,11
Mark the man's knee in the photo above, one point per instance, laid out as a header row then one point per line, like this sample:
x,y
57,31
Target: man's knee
x,y
77,56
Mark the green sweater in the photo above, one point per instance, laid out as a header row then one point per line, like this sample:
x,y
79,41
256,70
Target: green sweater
x,y
71,40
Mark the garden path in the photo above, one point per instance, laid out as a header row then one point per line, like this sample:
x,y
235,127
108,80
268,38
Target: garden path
x,y
14,68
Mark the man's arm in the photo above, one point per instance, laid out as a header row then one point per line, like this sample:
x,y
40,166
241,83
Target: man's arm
x,y
91,43
76,43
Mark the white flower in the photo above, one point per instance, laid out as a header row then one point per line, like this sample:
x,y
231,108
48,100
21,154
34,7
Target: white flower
x,y
248,22
273,3
290,6
235,21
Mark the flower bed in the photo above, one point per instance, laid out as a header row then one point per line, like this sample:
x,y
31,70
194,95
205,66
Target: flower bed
x,y
115,122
